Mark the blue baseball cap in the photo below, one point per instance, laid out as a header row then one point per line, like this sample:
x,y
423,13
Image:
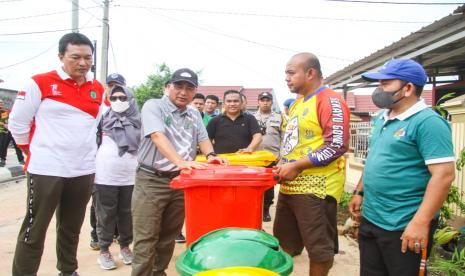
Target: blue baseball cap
x,y
288,102
117,78
401,69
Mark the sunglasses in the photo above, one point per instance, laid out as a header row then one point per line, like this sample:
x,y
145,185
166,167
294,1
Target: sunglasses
x,y
121,98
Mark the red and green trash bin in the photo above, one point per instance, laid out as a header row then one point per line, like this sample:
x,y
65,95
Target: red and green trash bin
x,y
224,207
235,251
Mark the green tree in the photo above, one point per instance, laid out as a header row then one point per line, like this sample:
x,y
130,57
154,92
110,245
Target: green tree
x,y
154,86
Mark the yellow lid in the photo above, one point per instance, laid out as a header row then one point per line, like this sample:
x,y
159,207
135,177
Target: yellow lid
x,y
261,158
238,271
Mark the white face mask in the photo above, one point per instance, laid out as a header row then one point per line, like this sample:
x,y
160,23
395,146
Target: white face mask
x,y
119,106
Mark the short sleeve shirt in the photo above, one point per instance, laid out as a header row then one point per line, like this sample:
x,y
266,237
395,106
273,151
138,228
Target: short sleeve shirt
x,y
183,128
270,126
396,171
230,136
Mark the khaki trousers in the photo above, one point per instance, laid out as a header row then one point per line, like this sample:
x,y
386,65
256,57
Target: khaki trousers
x,y
157,216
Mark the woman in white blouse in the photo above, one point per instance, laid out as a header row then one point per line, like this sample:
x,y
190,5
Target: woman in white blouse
x,y
115,174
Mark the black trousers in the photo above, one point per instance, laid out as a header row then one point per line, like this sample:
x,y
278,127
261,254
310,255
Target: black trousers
x,y
113,207
45,195
380,253
5,139
268,198
269,194
93,217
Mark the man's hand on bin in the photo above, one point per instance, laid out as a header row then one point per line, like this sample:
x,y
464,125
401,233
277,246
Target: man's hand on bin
x,y
190,165
217,160
288,171
246,150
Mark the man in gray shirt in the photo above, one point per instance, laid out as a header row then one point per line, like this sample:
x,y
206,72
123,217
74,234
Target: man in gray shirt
x,y
270,126
171,132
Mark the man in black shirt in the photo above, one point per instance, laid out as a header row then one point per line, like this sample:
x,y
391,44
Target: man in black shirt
x,y
234,131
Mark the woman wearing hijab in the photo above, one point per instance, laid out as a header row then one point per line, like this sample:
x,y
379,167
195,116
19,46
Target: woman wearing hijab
x,y
115,174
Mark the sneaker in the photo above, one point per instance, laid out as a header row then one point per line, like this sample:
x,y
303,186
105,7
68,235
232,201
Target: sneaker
x,y
266,216
21,162
72,274
2,163
180,238
94,245
105,260
126,255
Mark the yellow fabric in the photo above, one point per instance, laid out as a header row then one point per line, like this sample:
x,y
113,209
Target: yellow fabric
x,y
261,158
303,135
238,271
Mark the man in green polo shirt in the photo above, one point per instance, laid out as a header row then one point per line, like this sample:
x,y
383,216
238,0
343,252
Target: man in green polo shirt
x,y
407,176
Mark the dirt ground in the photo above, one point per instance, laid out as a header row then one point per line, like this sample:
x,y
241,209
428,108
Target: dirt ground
x,y
13,209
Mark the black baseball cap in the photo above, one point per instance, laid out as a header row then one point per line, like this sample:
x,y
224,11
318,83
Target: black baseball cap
x,y
185,74
265,95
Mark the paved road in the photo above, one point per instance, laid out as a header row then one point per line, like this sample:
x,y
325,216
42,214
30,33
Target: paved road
x,y
12,211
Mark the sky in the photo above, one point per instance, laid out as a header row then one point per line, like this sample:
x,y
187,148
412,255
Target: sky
x,y
244,43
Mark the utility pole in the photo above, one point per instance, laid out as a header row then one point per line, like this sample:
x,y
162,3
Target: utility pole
x,y
105,41
94,65
75,16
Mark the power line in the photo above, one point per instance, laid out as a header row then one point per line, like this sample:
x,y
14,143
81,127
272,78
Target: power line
x,y
43,14
41,53
276,15
207,45
96,2
269,46
114,57
395,3
88,21
48,31
29,59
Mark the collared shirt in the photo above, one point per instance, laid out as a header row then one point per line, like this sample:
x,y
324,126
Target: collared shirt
x,y
230,136
396,171
183,128
57,119
270,125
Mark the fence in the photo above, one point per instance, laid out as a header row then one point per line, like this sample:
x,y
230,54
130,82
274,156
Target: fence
x,y
359,133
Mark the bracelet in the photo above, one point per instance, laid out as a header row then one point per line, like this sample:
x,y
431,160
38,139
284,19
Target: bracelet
x,y
210,154
357,192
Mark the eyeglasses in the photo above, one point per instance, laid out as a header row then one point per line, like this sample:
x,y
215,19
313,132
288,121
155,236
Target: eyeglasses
x,y
121,98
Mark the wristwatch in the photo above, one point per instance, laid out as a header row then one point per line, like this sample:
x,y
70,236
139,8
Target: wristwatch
x,y
210,154
357,192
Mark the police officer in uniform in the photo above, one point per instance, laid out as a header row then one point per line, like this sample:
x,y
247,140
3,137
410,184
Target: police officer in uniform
x,y
270,125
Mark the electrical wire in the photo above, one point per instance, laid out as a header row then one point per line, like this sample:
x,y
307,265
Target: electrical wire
x,y
48,31
248,40
43,14
207,45
275,15
114,57
396,3
31,58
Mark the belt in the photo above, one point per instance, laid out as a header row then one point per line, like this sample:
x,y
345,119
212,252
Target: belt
x,y
164,174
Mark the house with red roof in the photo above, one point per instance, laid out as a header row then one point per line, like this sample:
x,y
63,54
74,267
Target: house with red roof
x,y
363,107
250,93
